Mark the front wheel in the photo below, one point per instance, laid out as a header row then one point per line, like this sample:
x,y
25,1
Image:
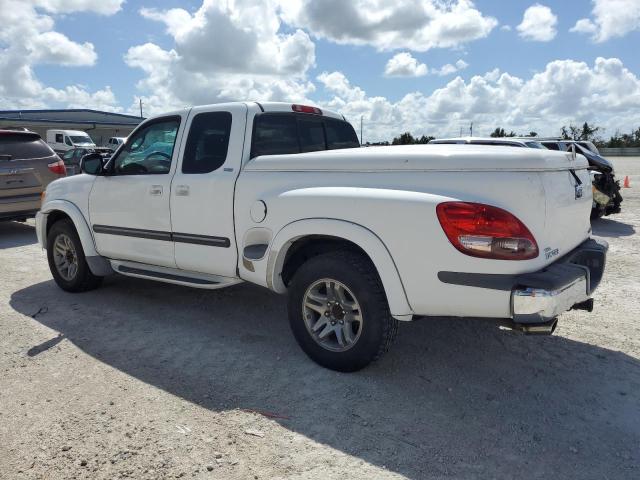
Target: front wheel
x,y
338,311
66,258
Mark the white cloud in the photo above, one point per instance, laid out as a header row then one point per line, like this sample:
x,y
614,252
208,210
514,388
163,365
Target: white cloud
x,y
222,53
449,68
506,28
611,18
405,65
538,24
566,91
584,25
28,38
417,25
103,7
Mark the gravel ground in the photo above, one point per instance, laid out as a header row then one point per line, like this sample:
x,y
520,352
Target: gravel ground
x,y
147,380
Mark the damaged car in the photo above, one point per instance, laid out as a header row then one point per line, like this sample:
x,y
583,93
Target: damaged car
x,y
606,189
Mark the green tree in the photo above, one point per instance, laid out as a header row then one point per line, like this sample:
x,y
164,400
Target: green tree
x,y
586,132
500,132
405,139
424,139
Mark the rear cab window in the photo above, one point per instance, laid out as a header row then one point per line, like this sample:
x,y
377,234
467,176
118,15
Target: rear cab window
x,y
20,146
278,133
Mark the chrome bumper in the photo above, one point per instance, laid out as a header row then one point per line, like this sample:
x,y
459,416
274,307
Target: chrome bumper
x,y
541,296
542,305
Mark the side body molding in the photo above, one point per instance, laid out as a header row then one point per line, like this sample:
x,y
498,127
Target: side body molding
x,y
361,236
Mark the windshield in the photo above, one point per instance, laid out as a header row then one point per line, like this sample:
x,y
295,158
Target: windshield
x,y
536,145
80,139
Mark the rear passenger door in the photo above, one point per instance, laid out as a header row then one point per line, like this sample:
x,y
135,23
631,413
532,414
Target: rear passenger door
x,y
203,187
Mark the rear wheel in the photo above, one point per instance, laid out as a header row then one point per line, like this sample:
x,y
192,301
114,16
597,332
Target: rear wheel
x,y
338,311
66,258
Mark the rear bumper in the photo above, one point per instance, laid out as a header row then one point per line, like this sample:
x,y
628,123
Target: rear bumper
x,y
19,206
541,296
17,215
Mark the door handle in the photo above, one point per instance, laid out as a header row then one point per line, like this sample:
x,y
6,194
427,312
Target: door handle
x,y
155,190
182,190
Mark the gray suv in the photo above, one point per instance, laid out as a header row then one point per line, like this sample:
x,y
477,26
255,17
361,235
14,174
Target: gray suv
x,y
27,166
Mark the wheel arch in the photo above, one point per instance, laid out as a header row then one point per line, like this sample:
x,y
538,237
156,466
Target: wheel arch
x,y
59,209
299,240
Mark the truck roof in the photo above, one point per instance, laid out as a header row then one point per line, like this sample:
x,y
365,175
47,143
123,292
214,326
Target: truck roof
x,y
504,140
269,107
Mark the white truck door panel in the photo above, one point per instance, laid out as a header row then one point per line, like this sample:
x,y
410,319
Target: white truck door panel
x,y
203,188
129,209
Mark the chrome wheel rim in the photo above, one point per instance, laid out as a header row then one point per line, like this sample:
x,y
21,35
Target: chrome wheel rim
x,y
332,315
65,257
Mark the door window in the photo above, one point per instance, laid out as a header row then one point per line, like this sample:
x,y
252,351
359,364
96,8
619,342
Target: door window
x,y
68,157
150,149
207,143
67,141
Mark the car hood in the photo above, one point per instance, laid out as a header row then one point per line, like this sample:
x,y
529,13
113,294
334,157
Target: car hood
x,y
596,161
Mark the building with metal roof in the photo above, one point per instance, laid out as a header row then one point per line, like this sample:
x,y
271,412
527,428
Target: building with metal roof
x,y
99,125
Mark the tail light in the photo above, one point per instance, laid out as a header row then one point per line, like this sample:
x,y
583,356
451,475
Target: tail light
x,y
58,167
306,109
487,232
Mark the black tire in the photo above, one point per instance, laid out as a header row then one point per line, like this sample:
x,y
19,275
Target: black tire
x,y
597,212
378,328
83,280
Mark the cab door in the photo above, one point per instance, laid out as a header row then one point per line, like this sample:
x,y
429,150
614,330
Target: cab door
x,y
203,187
129,207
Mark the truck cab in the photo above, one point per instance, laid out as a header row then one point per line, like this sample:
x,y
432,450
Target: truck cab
x,y
63,140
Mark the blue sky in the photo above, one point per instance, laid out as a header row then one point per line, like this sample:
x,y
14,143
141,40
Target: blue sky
x,y
113,30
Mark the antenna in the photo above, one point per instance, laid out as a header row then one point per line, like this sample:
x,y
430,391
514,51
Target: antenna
x,y
141,108
361,120
471,130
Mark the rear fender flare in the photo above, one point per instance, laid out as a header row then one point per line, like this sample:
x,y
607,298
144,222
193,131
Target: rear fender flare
x,y
361,236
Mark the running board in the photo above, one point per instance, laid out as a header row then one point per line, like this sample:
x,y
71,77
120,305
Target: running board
x,y
173,275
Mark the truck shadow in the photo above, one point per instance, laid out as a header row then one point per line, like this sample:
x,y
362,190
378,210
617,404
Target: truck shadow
x,y
452,398
606,227
16,234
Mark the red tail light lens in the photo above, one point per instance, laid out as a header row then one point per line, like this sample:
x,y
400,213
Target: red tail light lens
x,y
306,109
487,232
58,167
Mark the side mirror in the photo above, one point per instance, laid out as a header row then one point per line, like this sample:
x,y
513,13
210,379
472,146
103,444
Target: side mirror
x,y
92,164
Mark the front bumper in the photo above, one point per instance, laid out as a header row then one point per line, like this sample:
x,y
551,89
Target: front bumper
x,y
41,223
541,296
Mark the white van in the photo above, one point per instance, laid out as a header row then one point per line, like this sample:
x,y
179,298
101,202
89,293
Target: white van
x,y
63,140
114,142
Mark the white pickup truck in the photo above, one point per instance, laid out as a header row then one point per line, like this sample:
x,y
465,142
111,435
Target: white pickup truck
x,y
280,195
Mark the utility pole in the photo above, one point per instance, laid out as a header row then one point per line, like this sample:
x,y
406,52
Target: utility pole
x,y
141,109
361,120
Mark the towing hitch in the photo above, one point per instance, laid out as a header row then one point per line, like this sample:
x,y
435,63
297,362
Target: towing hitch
x,y
545,328
587,305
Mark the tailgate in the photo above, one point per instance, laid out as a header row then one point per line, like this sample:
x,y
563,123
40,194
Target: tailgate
x,y
568,206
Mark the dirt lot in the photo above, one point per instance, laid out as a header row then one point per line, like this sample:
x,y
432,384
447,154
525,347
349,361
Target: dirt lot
x,y
146,380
